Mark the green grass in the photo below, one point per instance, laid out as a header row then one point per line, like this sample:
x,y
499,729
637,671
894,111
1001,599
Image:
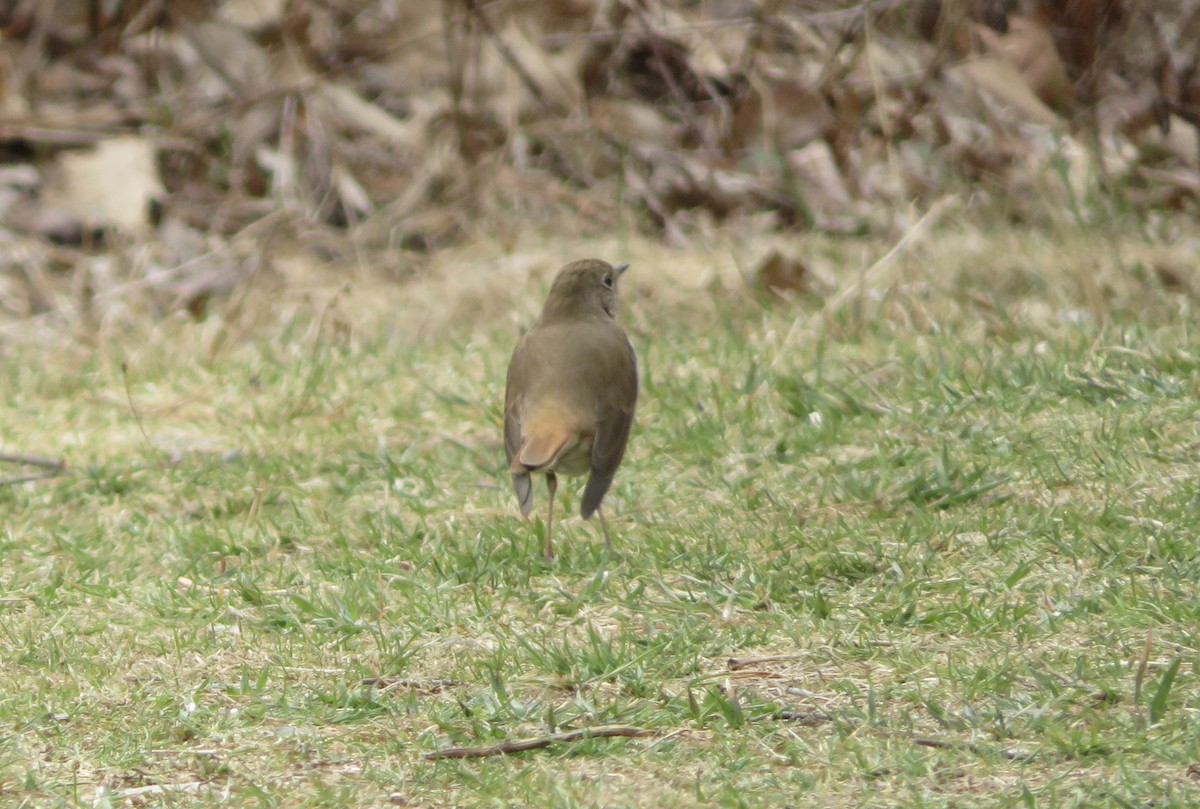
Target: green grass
x,y
951,519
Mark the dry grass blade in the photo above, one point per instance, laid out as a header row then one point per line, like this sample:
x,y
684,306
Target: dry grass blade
x,y
1143,664
877,270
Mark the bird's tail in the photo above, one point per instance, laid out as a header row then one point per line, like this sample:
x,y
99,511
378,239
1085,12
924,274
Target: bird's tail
x,y
523,486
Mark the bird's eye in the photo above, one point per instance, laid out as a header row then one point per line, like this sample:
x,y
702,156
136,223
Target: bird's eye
x,y
608,281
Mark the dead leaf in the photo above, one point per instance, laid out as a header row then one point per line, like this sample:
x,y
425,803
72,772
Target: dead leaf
x,y
356,111
1030,49
633,121
998,78
112,184
252,15
220,61
820,178
792,114
779,274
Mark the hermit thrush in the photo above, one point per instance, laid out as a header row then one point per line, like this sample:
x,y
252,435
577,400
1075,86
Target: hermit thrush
x,y
571,391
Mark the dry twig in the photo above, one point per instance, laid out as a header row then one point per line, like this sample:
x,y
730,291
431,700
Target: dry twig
x,y
735,663
28,478
53,467
809,718
520,745
506,53
427,686
32,460
954,744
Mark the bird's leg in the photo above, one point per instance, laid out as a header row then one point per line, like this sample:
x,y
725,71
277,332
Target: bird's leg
x,y
552,485
604,528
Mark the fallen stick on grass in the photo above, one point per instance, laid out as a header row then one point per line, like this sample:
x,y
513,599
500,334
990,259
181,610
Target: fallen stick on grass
x,y
735,663
32,460
520,745
803,717
53,467
432,686
979,750
27,478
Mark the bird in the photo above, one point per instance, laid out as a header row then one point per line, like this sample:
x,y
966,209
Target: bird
x,y
571,391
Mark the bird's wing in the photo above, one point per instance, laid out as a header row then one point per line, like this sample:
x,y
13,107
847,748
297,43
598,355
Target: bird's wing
x,y
539,443
512,419
614,419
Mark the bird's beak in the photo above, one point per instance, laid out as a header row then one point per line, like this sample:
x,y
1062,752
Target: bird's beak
x,y
620,268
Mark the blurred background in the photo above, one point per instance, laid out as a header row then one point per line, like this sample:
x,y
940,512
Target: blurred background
x,y
156,156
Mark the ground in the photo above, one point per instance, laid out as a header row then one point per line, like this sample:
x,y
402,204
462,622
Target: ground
x,y
923,535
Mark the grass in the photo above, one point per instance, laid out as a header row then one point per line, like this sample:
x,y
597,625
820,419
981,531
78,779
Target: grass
x,y
946,532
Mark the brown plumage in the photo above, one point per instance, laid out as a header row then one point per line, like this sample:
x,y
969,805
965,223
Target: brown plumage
x,y
571,391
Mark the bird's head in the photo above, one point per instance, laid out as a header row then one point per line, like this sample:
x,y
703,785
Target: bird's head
x,y
585,287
